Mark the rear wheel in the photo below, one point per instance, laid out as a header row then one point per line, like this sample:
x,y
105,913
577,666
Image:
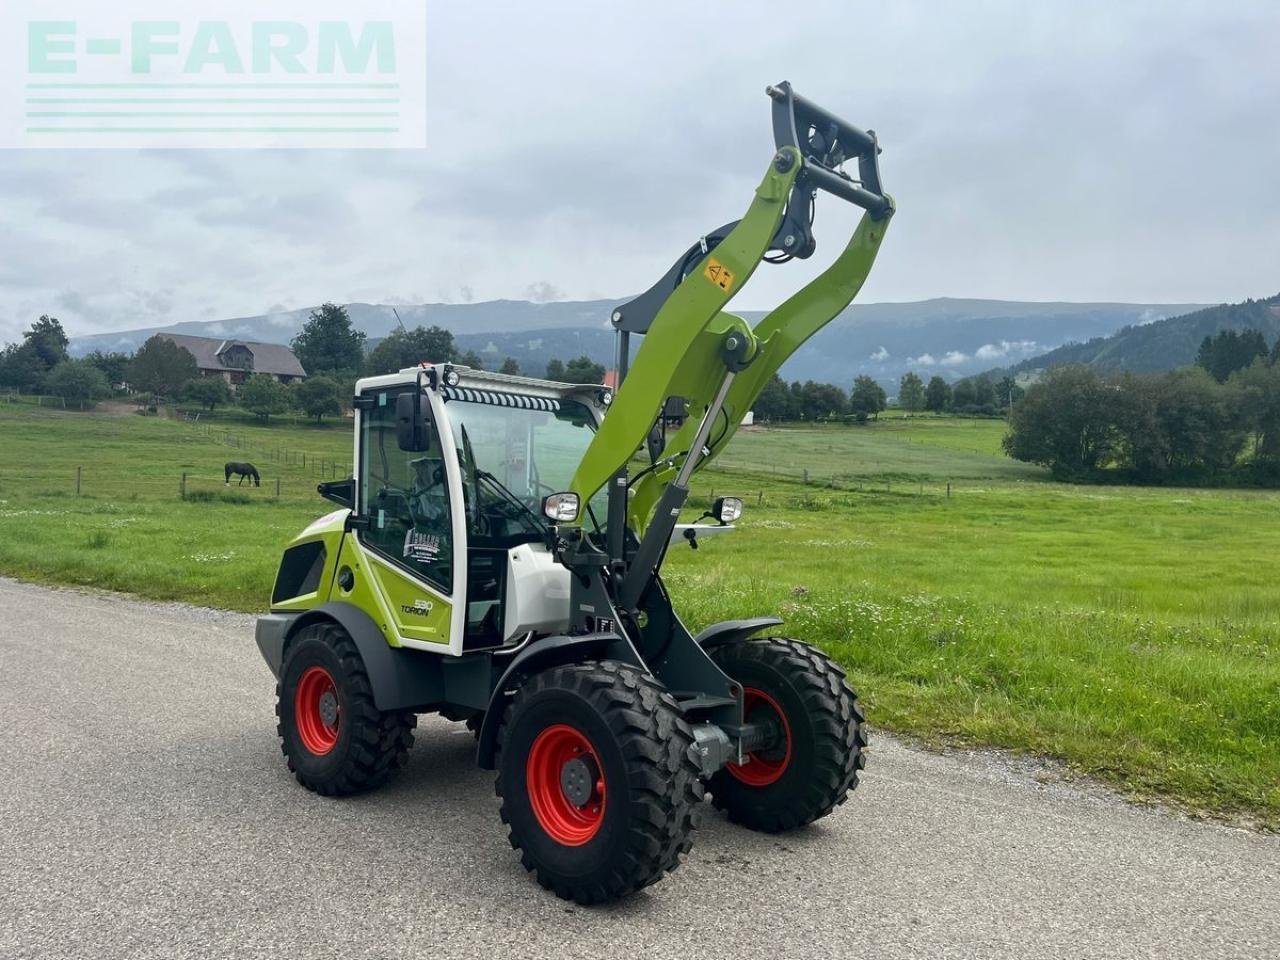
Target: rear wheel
x,y
818,735
597,780
334,739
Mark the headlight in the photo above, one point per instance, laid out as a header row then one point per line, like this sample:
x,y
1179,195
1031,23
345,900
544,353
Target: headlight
x,y
727,509
606,397
451,377
561,507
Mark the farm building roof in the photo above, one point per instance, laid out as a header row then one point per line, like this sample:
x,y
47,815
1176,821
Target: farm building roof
x,y
272,358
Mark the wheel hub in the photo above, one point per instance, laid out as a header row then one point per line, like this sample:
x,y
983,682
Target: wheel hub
x,y
329,708
578,779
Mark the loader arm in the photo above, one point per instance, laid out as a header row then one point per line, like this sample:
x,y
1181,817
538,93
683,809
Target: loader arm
x,y
780,333
668,357
708,361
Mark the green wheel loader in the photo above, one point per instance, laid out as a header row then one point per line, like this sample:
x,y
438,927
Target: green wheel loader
x,y
497,560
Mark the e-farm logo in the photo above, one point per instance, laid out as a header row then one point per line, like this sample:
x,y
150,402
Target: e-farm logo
x,y
276,73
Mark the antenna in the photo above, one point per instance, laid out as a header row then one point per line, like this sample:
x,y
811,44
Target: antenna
x,y
398,320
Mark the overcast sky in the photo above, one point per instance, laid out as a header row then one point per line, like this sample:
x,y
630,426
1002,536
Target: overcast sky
x,y
1048,150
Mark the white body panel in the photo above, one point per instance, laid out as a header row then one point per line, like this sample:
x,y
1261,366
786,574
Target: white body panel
x,y
537,592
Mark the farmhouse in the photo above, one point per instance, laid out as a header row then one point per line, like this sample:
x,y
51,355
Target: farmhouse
x,y
237,360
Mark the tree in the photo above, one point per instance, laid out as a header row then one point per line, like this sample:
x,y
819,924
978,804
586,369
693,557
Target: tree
x,y
868,397
408,348
1258,389
21,368
49,340
555,370
1007,392
1202,428
1229,351
937,396
774,402
583,370
262,395
114,366
328,343
318,396
470,359
510,366
24,366
78,382
911,392
207,391
822,401
1065,422
161,367
984,395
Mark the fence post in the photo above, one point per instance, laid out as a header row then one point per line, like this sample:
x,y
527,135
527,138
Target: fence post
x,y
806,474
78,469
183,488
277,488
948,489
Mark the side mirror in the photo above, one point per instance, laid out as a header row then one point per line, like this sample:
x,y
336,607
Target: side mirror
x,y
413,432
341,492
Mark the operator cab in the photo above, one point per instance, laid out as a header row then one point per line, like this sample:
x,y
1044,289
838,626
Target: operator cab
x,y
491,447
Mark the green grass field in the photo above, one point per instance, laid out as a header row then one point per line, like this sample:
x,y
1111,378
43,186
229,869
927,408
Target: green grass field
x,y
1130,632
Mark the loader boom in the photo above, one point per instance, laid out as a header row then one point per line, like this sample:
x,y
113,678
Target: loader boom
x,y
710,359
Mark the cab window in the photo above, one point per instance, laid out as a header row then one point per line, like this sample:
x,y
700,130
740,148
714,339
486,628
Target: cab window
x,y
405,495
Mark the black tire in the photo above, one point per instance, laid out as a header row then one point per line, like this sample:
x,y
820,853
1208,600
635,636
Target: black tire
x,y
825,726
639,747
366,746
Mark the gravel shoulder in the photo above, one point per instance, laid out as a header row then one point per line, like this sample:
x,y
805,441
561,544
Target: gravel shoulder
x,y
145,811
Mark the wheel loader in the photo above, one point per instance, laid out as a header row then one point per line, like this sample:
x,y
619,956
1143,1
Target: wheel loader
x,y
497,559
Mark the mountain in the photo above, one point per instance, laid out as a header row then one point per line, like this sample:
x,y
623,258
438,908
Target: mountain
x,y
951,337
375,319
1161,345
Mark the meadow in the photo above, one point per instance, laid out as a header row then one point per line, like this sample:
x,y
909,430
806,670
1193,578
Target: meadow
x,y
1129,632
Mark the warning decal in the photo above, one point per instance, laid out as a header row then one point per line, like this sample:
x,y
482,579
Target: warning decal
x,y
718,274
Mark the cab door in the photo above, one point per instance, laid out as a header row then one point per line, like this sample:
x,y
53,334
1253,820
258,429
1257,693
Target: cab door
x,y
415,530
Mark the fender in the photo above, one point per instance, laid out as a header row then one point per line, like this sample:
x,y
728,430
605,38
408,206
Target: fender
x,y
401,679
541,655
731,631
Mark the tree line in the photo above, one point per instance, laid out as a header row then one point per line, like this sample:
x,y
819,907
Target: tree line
x,y
329,348
780,401
1216,421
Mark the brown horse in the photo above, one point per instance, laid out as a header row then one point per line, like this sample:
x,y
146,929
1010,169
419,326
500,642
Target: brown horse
x,y
244,470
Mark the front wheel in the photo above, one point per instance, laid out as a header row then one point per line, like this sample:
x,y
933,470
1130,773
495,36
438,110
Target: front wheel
x,y
336,741
597,780
819,735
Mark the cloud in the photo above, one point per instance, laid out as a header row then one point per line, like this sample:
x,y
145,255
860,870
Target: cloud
x,y
516,184
953,358
544,292
880,355
995,351
924,360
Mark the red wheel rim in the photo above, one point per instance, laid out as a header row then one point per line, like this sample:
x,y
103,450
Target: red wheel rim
x,y
315,710
763,768
553,751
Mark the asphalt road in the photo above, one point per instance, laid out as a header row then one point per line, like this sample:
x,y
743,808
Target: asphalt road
x,y
145,811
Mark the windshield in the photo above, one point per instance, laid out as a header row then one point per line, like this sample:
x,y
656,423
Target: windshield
x,y
512,457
